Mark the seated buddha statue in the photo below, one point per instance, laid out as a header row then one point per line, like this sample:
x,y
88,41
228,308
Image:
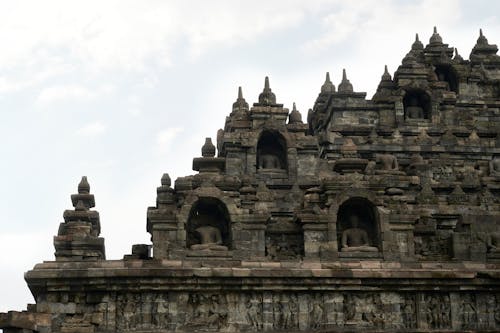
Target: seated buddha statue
x,y
269,161
495,167
493,242
413,110
210,239
355,239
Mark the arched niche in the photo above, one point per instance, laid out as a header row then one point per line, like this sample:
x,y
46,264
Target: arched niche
x,y
446,73
272,151
367,218
211,215
417,105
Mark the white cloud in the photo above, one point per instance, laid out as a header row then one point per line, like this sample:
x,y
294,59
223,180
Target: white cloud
x,y
92,129
64,92
71,93
362,19
165,137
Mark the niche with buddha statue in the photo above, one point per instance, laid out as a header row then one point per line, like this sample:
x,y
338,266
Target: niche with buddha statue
x,y
417,105
208,226
272,152
357,227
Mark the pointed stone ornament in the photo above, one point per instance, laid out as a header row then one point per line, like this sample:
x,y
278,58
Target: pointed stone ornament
x,y
385,85
435,38
458,196
386,76
328,86
83,200
483,50
295,117
457,56
240,103
83,186
267,97
208,149
409,59
165,180
417,44
426,195
482,40
345,86
78,236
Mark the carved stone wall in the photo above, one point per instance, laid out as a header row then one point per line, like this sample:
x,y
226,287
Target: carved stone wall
x,y
373,215
289,311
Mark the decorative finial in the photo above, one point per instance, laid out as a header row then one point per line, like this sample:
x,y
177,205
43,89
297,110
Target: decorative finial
x,y
165,180
435,38
328,86
83,200
208,149
240,101
386,76
482,39
267,97
295,117
84,186
345,85
457,57
417,44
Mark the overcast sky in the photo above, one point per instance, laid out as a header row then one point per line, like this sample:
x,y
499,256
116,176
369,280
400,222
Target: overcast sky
x,y
123,91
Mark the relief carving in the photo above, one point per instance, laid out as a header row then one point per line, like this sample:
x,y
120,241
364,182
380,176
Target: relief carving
x,y
254,312
468,311
206,312
437,311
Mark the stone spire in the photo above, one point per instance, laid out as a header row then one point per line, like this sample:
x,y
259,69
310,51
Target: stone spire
x,y
267,97
409,58
386,76
417,44
78,236
437,50
208,149
481,40
345,86
482,48
83,200
295,117
208,162
240,104
327,87
457,56
435,38
84,186
385,82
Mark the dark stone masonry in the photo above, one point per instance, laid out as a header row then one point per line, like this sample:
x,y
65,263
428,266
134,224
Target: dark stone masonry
x,y
371,215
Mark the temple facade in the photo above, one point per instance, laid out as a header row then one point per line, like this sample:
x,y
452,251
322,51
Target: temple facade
x,y
371,215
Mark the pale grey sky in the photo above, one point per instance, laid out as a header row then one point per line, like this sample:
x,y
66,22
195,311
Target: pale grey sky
x,y
123,91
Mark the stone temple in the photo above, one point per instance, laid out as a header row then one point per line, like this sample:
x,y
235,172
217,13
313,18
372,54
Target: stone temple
x,y
371,215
